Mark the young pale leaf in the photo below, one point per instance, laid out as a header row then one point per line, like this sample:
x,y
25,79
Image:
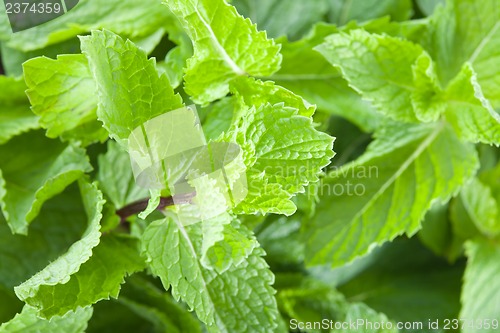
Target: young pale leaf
x,y
379,68
307,73
238,300
15,116
481,289
130,91
63,93
32,170
225,46
283,153
59,271
256,93
469,112
28,322
98,278
387,191
132,18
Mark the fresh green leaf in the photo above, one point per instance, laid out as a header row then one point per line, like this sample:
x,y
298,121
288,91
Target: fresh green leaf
x,y
219,116
469,112
477,208
307,73
343,11
480,292
383,189
468,31
157,306
15,116
62,93
238,300
427,6
115,177
282,18
380,69
32,170
438,233
225,46
134,18
130,91
28,322
51,234
279,164
98,278
311,301
256,93
60,270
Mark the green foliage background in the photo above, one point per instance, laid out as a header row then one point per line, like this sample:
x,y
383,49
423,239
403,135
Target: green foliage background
x,y
400,224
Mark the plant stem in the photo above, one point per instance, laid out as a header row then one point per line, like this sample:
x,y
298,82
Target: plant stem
x,y
138,206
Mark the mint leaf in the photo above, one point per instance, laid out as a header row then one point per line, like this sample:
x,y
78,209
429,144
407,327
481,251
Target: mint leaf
x,y
134,18
238,300
62,93
480,208
98,278
130,91
291,18
383,188
256,93
343,11
469,112
307,300
50,235
279,164
116,178
225,46
218,117
158,307
15,116
307,73
60,270
468,31
379,68
480,292
32,170
28,322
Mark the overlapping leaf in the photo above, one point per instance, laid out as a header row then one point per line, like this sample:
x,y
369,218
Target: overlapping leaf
x,y
32,170
135,19
130,91
307,73
282,152
15,116
238,300
28,322
60,270
469,112
283,18
63,93
380,69
225,46
481,289
387,191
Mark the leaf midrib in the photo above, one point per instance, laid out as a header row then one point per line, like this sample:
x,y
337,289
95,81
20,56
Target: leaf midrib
x,y
420,149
